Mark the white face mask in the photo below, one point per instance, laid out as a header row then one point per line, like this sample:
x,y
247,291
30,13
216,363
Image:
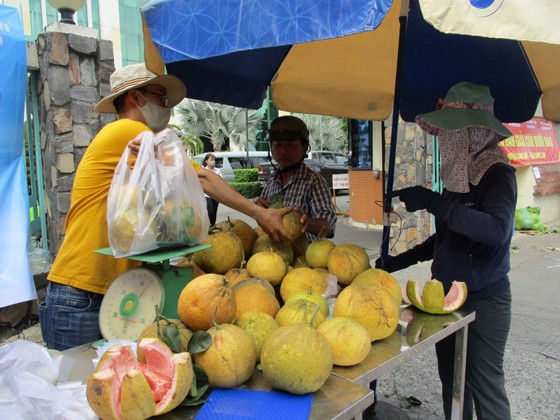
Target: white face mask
x,y
157,117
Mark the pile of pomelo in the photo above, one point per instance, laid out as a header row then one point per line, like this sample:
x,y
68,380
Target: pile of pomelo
x,y
292,310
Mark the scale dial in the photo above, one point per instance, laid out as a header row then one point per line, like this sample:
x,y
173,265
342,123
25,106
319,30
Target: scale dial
x,y
129,305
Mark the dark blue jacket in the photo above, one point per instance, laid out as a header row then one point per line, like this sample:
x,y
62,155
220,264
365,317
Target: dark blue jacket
x,y
473,235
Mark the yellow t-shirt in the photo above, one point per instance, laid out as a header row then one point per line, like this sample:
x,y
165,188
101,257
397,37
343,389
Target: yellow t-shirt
x,y
77,264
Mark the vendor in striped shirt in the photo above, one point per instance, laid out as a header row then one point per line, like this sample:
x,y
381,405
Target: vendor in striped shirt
x,y
294,184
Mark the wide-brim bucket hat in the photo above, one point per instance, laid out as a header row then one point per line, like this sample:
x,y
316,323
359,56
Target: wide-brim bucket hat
x,y
135,76
465,105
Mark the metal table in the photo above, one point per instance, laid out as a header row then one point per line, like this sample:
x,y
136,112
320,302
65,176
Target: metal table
x,y
416,332
337,399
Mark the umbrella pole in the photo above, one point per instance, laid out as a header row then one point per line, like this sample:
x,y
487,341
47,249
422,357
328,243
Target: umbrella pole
x,y
394,127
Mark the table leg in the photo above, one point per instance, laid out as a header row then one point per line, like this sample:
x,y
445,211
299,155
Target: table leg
x,y
459,372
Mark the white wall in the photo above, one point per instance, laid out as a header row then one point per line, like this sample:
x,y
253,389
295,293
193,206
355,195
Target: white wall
x,y
549,204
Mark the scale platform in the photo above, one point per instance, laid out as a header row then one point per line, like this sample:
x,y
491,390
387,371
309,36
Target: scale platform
x,y
129,305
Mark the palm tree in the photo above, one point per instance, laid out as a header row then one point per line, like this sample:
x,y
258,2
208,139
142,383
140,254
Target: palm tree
x,y
325,133
193,145
218,123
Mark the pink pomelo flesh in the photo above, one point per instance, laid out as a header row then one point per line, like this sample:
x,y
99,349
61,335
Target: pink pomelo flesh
x,y
158,370
456,294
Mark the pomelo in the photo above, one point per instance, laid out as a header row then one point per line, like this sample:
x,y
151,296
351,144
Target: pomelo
x,y
225,253
151,331
346,261
235,275
284,249
299,262
296,358
291,223
300,311
318,252
181,222
132,229
230,359
267,265
433,300
204,298
349,340
244,232
371,306
383,279
313,297
255,294
302,279
123,387
188,261
259,325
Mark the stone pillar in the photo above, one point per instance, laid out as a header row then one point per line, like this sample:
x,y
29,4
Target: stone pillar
x,y
413,166
74,70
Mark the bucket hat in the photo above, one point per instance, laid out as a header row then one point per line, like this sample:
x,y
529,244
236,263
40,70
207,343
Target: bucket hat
x,y
465,105
135,76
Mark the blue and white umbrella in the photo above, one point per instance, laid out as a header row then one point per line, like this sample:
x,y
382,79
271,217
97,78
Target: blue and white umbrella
x,y
360,58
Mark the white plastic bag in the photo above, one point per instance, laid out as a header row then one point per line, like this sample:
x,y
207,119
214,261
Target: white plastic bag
x,y
159,202
32,385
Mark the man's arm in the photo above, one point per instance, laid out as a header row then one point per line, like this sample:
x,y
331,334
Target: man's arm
x,y
269,219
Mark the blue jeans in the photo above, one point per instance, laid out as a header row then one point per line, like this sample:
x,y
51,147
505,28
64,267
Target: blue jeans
x,y
69,317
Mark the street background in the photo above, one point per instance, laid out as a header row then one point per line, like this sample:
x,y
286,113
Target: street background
x,y
532,360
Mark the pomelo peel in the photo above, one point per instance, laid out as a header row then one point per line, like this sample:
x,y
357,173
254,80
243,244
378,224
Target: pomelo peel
x,y
432,299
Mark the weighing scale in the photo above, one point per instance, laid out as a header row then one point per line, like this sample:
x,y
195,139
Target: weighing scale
x,y
129,305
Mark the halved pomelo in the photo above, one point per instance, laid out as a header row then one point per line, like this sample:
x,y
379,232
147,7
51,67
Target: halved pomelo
x,y
432,300
125,388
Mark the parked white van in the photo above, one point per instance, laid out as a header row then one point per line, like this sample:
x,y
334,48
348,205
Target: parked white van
x,y
228,161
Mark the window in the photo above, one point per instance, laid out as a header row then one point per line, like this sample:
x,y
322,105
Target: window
x,y
340,159
360,134
132,39
328,158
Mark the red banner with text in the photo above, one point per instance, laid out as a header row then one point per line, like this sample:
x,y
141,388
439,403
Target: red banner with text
x,y
533,142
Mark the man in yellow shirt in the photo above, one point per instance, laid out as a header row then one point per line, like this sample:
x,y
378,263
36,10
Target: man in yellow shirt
x,y
79,277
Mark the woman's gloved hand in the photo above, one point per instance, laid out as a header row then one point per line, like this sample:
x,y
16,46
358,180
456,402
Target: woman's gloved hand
x,y
419,198
398,262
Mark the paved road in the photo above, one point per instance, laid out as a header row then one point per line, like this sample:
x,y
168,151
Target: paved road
x,y
532,360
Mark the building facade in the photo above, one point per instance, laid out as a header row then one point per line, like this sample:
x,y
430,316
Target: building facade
x,y
116,21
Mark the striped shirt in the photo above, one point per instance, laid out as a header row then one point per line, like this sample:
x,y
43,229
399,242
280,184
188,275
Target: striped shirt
x,y
307,190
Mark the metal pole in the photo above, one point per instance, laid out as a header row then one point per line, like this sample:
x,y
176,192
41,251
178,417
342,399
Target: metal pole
x,y
394,127
247,132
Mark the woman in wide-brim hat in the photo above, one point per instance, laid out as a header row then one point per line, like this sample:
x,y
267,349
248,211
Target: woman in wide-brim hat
x,y
474,220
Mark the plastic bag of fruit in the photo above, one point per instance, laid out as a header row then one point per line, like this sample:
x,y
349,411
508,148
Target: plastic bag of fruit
x,y
158,202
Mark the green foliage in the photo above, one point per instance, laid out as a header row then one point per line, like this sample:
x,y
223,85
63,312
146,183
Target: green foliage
x,y
247,189
246,175
326,133
219,123
192,144
199,342
200,388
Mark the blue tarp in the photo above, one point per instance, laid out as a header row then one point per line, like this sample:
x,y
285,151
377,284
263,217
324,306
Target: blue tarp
x,y
16,280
